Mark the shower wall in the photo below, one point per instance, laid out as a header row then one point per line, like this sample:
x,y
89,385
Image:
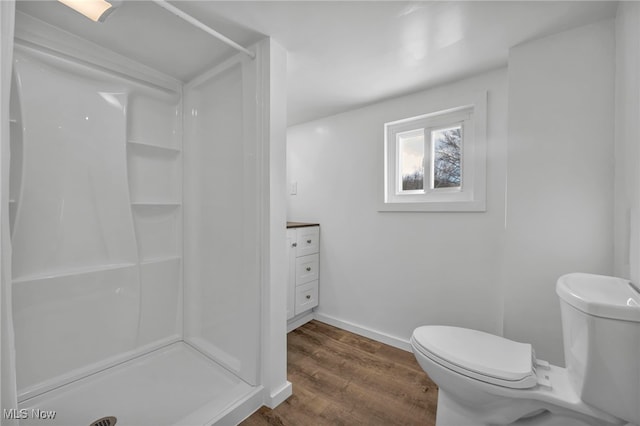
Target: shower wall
x,y
222,217
137,222
96,218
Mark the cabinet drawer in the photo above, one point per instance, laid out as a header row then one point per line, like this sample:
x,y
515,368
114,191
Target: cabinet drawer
x,y
306,297
307,268
308,240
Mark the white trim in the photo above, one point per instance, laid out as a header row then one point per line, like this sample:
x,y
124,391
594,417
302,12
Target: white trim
x,y
378,336
270,67
300,320
279,396
438,118
435,206
238,411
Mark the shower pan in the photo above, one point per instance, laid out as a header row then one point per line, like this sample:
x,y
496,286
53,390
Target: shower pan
x,y
144,287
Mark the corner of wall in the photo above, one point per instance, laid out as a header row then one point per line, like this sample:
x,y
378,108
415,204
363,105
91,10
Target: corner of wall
x,y
272,71
627,149
560,215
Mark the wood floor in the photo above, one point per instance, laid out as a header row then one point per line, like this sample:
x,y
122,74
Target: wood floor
x,y
340,378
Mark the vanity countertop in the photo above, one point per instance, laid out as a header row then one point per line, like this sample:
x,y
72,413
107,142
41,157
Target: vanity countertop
x,y
300,224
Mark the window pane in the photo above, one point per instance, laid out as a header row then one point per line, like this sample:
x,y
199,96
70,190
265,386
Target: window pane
x,y
411,164
446,157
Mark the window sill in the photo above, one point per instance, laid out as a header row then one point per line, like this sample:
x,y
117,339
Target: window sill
x,y
435,206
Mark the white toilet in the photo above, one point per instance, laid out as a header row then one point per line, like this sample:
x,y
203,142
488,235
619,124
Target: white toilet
x,y
488,380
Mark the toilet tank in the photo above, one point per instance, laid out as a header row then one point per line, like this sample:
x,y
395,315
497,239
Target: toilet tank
x,y
601,333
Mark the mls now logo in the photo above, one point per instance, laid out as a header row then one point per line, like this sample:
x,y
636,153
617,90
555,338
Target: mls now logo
x,y
15,414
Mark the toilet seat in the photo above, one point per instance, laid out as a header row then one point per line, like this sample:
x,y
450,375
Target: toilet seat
x,y
482,356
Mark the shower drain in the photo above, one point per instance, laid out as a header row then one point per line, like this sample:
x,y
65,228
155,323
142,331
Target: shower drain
x,y
105,421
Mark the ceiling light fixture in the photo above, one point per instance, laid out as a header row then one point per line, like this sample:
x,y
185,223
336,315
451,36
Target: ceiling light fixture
x,y
96,10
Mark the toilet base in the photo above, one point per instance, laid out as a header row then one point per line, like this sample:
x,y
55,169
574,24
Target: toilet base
x,y
450,413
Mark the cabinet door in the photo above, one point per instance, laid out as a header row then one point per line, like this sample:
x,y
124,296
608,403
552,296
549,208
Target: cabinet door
x,y
306,297
291,276
308,240
307,268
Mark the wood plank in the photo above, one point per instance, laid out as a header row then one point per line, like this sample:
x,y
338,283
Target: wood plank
x,y
340,378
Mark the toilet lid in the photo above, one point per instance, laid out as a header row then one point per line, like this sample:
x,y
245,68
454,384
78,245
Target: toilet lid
x,y
480,355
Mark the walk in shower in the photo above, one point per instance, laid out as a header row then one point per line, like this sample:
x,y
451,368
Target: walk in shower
x,y
139,232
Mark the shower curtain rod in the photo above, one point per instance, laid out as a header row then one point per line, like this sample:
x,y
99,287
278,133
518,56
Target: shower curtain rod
x,y
193,21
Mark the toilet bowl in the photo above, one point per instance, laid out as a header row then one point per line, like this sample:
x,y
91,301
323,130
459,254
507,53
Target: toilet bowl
x,y
488,380
485,379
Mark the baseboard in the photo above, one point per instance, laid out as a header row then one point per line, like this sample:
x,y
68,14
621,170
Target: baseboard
x,y
278,397
297,321
364,331
240,410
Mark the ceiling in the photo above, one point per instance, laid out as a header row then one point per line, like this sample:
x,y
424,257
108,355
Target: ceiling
x,y
341,54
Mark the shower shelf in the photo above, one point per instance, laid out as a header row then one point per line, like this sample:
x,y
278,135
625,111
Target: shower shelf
x,y
167,149
68,272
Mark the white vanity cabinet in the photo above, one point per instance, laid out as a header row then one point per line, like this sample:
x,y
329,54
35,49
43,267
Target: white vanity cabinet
x,y
303,243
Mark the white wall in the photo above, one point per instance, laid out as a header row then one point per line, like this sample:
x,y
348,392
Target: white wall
x,y
383,274
391,272
627,154
560,176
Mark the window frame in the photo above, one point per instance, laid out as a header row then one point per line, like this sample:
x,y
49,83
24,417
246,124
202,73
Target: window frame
x,y
470,195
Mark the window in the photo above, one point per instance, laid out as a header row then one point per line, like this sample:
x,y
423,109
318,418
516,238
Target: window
x,y
436,161
446,164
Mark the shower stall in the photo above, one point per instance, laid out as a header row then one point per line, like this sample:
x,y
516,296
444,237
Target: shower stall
x,y
142,233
